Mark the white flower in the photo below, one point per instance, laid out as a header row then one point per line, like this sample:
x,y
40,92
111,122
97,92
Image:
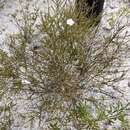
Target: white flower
x,y
70,22
26,81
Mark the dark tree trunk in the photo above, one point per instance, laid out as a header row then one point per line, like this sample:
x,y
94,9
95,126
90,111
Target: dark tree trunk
x,y
90,8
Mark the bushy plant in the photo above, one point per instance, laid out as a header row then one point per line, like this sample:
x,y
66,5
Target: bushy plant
x,y
56,70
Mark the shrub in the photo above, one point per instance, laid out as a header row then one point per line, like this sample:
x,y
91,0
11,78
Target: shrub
x,y
56,70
